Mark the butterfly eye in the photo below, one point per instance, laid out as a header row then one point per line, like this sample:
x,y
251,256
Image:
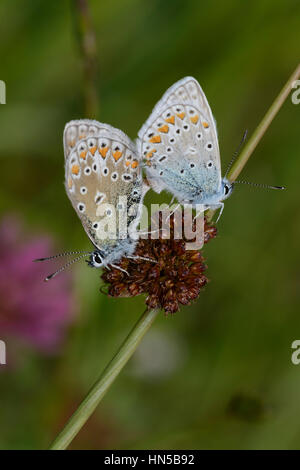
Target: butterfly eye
x,y
192,165
114,176
95,225
108,212
83,190
199,136
209,146
226,189
87,170
96,260
209,164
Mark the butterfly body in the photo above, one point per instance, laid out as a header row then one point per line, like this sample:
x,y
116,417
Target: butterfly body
x,y
194,185
180,147
103,180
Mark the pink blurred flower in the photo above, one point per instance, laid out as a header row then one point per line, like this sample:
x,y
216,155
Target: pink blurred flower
x,y
30,309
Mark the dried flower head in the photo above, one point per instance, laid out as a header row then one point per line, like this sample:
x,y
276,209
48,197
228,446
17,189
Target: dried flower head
x,y
175,278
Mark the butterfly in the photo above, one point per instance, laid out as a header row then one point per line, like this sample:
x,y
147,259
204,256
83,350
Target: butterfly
x,y
103,178
179,145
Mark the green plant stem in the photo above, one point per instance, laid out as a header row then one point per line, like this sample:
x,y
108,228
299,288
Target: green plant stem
x,y
110,373
257,135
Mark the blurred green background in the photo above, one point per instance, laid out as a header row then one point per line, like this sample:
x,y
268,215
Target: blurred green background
x,y
217,374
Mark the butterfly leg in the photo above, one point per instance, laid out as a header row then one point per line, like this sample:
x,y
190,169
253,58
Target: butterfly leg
x,y
143,258
149,232
213,207
120,269
152,231
198,214
173,212
221,207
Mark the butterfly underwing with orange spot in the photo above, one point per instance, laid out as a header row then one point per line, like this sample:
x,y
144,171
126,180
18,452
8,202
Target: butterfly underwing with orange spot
x,y
179,145
101,169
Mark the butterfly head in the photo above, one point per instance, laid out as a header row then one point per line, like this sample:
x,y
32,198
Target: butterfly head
x,y
96,259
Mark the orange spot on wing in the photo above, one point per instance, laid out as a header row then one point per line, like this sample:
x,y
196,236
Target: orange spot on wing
x,y
75,169
127,163
205,124
134,164
194,119
164,129
93,150
83,154
117,155
171,119
103,151
155,140
180,115
150,154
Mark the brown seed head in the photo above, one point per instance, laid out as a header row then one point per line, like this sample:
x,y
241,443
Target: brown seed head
x,y
175,278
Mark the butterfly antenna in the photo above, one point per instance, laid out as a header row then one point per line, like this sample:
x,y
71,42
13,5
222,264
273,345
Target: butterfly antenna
x,y
51,276
259,185
59,255
236,152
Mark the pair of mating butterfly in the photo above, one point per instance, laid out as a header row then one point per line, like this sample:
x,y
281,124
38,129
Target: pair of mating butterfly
x,y
178,146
